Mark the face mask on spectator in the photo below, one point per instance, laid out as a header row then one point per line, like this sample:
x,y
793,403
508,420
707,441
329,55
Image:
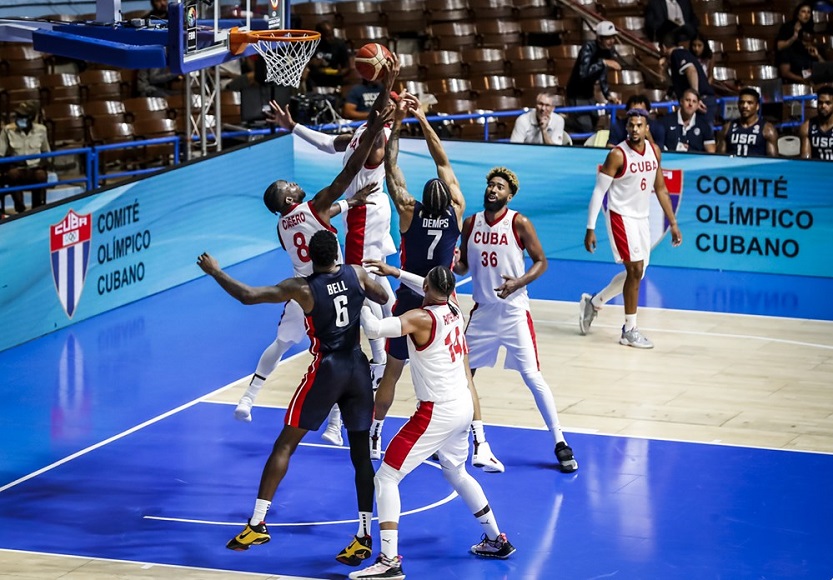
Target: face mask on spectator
x,y
23,123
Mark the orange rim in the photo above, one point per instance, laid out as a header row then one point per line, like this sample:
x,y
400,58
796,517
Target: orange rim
x,y
238,40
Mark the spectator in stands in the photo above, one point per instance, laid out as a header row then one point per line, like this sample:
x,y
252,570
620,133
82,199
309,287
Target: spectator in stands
x,y
593,61
790,32
330,64
656,130
158,10
25,137
750,135
540,125
662,15
359,100
699,47
685,72
795,63
817,133
687,130
155,82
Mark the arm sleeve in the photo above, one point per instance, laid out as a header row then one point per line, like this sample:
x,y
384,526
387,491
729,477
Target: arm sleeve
x,y
412,281
320,141
390,327
603,182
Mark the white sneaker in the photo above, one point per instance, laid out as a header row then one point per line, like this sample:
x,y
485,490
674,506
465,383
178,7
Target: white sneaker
x,y
586,313
635,339
332,434
485,459
390,569
243,411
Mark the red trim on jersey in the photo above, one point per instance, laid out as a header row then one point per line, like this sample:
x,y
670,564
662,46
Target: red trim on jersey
x,y
324,224
354,241
404,441
624,168
497,218
433,332
620,237
293,410
515,232
534,339
403,254
637,151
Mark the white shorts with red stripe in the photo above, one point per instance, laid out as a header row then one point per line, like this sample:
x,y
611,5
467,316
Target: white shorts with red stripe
x,y
291,328
441,428
368,231
496,325
630,238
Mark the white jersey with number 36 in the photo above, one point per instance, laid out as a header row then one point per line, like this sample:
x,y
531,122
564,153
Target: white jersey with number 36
x,y
630,193
437,368
295,230
495,249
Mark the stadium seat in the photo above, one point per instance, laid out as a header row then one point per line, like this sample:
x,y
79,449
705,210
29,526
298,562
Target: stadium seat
x,y
483,61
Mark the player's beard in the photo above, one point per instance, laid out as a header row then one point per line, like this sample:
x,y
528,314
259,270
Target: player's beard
x,y
494,206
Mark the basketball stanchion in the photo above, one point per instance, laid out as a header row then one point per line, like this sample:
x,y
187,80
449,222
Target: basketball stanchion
x,y
286,52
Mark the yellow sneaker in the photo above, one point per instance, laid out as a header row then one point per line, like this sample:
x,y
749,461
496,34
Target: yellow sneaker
x,y
358,550
250,536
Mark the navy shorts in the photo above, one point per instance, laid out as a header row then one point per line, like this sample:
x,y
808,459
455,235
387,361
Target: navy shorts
x,y
339,377
405,300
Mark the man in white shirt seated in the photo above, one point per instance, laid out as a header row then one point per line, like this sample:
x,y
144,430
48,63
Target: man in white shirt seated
x,y
540,125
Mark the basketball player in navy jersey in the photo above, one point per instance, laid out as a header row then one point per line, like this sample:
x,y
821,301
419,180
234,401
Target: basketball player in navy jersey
x,y
751,135
631,172
332,298
817,133
493,245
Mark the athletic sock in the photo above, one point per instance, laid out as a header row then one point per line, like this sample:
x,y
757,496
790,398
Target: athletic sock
x,y
489,525
630,322
390,543
364,524
477,432
259,513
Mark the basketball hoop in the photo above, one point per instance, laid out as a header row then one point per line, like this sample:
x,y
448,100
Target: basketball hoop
x,y
286,52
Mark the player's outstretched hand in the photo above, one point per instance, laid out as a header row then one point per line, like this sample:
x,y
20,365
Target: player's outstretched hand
x,y
360,197
208,263
393,71
381,268
280,117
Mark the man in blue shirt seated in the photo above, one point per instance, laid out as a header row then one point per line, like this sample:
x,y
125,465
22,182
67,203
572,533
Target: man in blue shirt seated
x,y
688,130
656,131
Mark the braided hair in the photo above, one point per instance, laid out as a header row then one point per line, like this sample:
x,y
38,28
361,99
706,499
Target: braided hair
x,y
443,280
436,197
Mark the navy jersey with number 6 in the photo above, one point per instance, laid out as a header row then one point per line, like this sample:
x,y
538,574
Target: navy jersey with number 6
x,y
429,241
333,324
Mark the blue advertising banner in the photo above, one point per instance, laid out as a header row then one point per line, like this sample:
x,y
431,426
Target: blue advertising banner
x,y
743,214
80,258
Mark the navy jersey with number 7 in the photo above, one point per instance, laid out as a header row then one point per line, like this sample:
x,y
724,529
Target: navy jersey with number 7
x,y
429,241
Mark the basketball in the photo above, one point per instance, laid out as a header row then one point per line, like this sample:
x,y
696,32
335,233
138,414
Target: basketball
x,y
371,61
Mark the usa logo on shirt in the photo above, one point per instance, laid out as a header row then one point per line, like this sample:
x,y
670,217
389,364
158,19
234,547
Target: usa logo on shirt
x,y
69,246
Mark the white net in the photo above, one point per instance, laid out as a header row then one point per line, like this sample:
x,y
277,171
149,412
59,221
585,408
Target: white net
x,y
286,59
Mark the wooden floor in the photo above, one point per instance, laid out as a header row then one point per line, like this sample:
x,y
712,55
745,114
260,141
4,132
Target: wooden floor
x,y
721,378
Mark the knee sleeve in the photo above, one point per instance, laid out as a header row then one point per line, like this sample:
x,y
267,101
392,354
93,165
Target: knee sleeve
x,y
465,486
271,357
388,503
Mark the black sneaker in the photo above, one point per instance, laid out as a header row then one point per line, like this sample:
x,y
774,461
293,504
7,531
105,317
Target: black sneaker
x,y
358,550
497,548
250,536
566,461
387,568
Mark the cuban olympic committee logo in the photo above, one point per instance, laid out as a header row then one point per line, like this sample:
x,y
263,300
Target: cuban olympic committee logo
x,y
69,247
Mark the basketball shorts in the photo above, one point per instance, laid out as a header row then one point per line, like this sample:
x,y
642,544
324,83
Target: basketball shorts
x,y
368,231
405,300
441,428
630,238
292,328
339,377
496,325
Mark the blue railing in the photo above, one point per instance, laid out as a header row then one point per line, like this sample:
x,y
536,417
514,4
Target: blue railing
x,y
93,174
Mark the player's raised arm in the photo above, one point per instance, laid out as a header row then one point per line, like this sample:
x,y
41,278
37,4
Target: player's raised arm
x,y
290,289
394,176
440,157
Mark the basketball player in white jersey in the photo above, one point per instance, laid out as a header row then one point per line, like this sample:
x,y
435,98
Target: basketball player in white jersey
x,y
298,221
441,377
368,226
630,173
494,241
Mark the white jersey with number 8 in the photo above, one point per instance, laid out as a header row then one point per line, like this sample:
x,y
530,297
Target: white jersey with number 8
x,y
630,193
295,230
494,250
